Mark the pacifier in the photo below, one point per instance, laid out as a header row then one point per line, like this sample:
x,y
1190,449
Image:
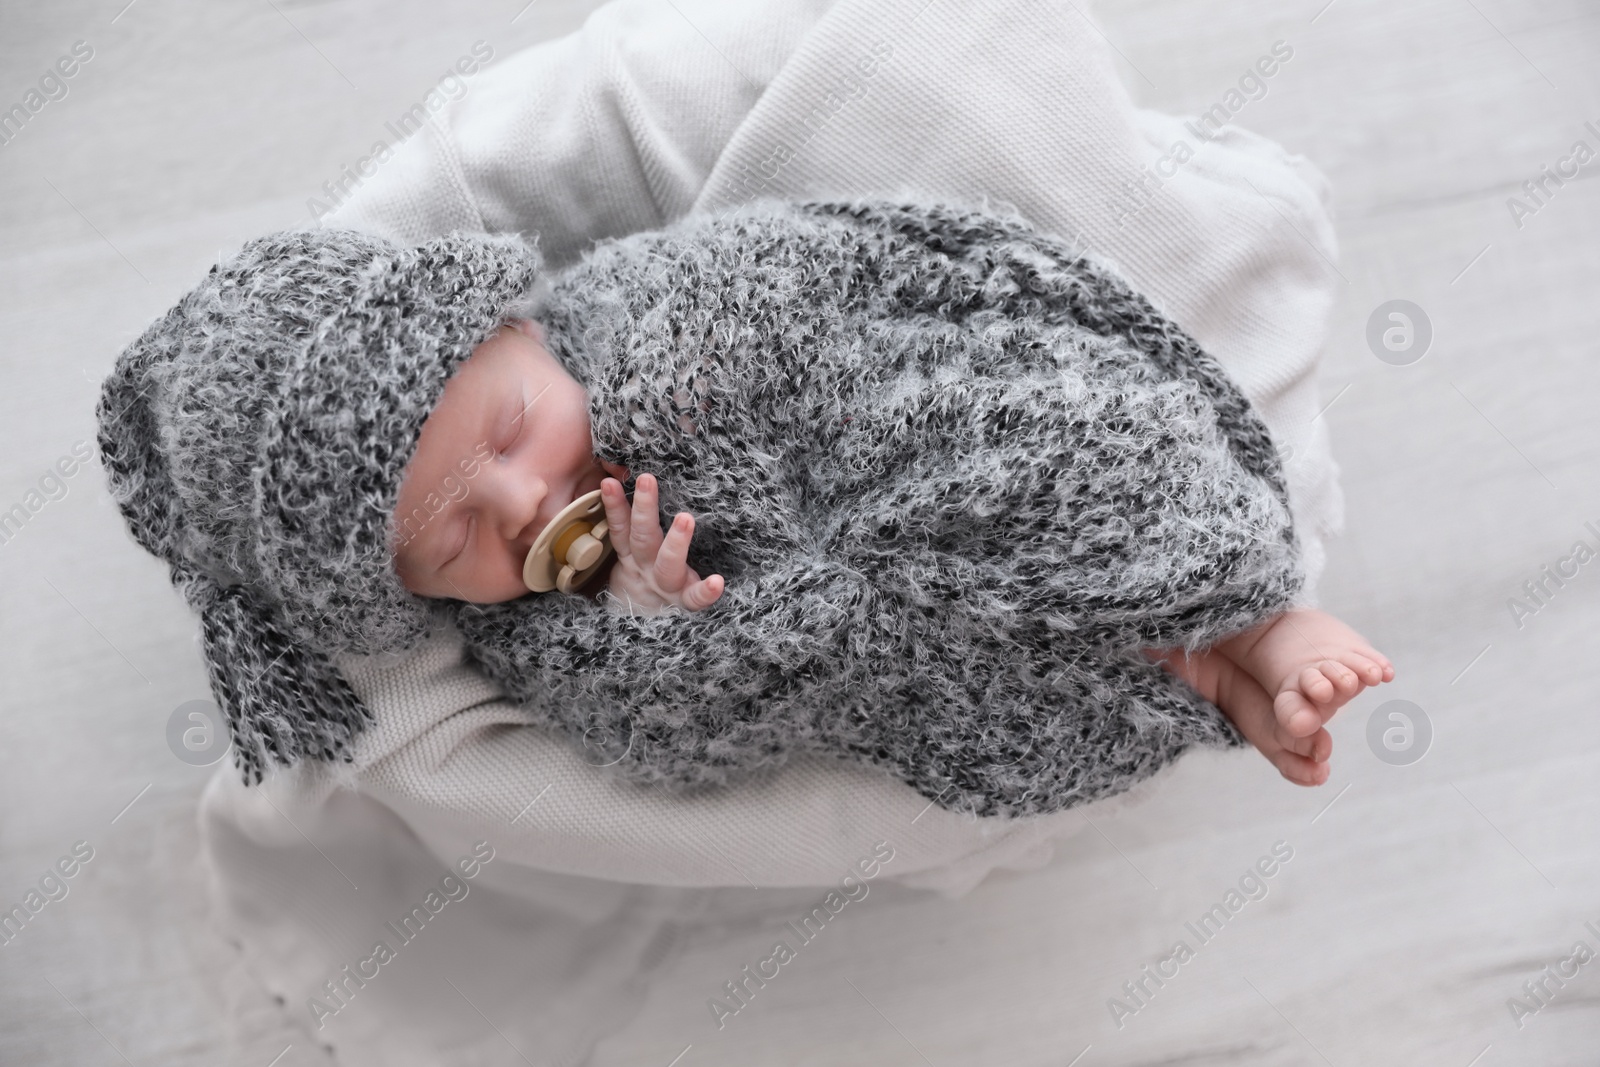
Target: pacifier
x,y
570,548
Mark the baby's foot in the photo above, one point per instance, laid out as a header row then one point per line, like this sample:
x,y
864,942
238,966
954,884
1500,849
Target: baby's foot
x,y
1310,662
1302,760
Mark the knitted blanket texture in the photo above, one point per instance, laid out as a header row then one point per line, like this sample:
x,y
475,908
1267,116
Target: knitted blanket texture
x,y
955,475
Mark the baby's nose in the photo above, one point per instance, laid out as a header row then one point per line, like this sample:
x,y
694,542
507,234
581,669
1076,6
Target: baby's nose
x,y
516,504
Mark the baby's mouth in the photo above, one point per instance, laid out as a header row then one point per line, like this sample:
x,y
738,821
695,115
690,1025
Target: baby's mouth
x,y
554,504
542,519
526,539
561,559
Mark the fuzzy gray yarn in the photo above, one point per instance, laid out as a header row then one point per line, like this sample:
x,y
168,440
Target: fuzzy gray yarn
x,y
955,476
255,437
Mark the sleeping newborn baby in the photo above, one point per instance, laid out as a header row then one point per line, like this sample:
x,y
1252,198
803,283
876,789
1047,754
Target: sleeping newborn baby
x,y
946,496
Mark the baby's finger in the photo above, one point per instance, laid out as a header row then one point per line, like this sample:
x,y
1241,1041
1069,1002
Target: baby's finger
x,y
616,504
703,593
672,562
645,535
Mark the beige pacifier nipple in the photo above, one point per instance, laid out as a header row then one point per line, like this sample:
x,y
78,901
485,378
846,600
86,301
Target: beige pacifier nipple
x,y
570,549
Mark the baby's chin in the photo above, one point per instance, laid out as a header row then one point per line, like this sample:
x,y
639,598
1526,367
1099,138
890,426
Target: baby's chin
x,y
503,596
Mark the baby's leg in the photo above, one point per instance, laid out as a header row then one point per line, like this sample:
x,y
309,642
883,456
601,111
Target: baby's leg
x,y
1302,760
1311,663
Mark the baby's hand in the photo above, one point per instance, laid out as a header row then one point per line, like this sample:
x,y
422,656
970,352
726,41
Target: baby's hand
x,y
652,572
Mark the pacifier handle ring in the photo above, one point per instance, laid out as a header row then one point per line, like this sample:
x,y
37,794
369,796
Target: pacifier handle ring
x,y
583,553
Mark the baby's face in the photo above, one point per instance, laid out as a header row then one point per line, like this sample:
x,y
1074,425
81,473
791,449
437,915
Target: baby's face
x,y
505,449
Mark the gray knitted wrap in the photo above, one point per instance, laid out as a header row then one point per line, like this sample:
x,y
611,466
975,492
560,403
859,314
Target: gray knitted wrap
x,y
255,438
955,476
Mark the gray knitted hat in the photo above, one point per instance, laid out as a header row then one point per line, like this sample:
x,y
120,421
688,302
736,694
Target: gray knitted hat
x,y
255,438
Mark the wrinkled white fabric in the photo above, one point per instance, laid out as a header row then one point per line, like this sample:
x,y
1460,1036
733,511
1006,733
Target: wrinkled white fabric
x,y
632,121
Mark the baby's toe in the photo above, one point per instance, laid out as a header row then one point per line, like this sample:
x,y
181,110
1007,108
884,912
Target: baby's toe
x,y
1295,713
1316,685
1317,747
1367,669
1374,655
1345,681
1298,769
1385,667
1321,747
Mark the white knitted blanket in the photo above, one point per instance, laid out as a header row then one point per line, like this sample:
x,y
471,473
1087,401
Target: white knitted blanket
x,y
650,110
